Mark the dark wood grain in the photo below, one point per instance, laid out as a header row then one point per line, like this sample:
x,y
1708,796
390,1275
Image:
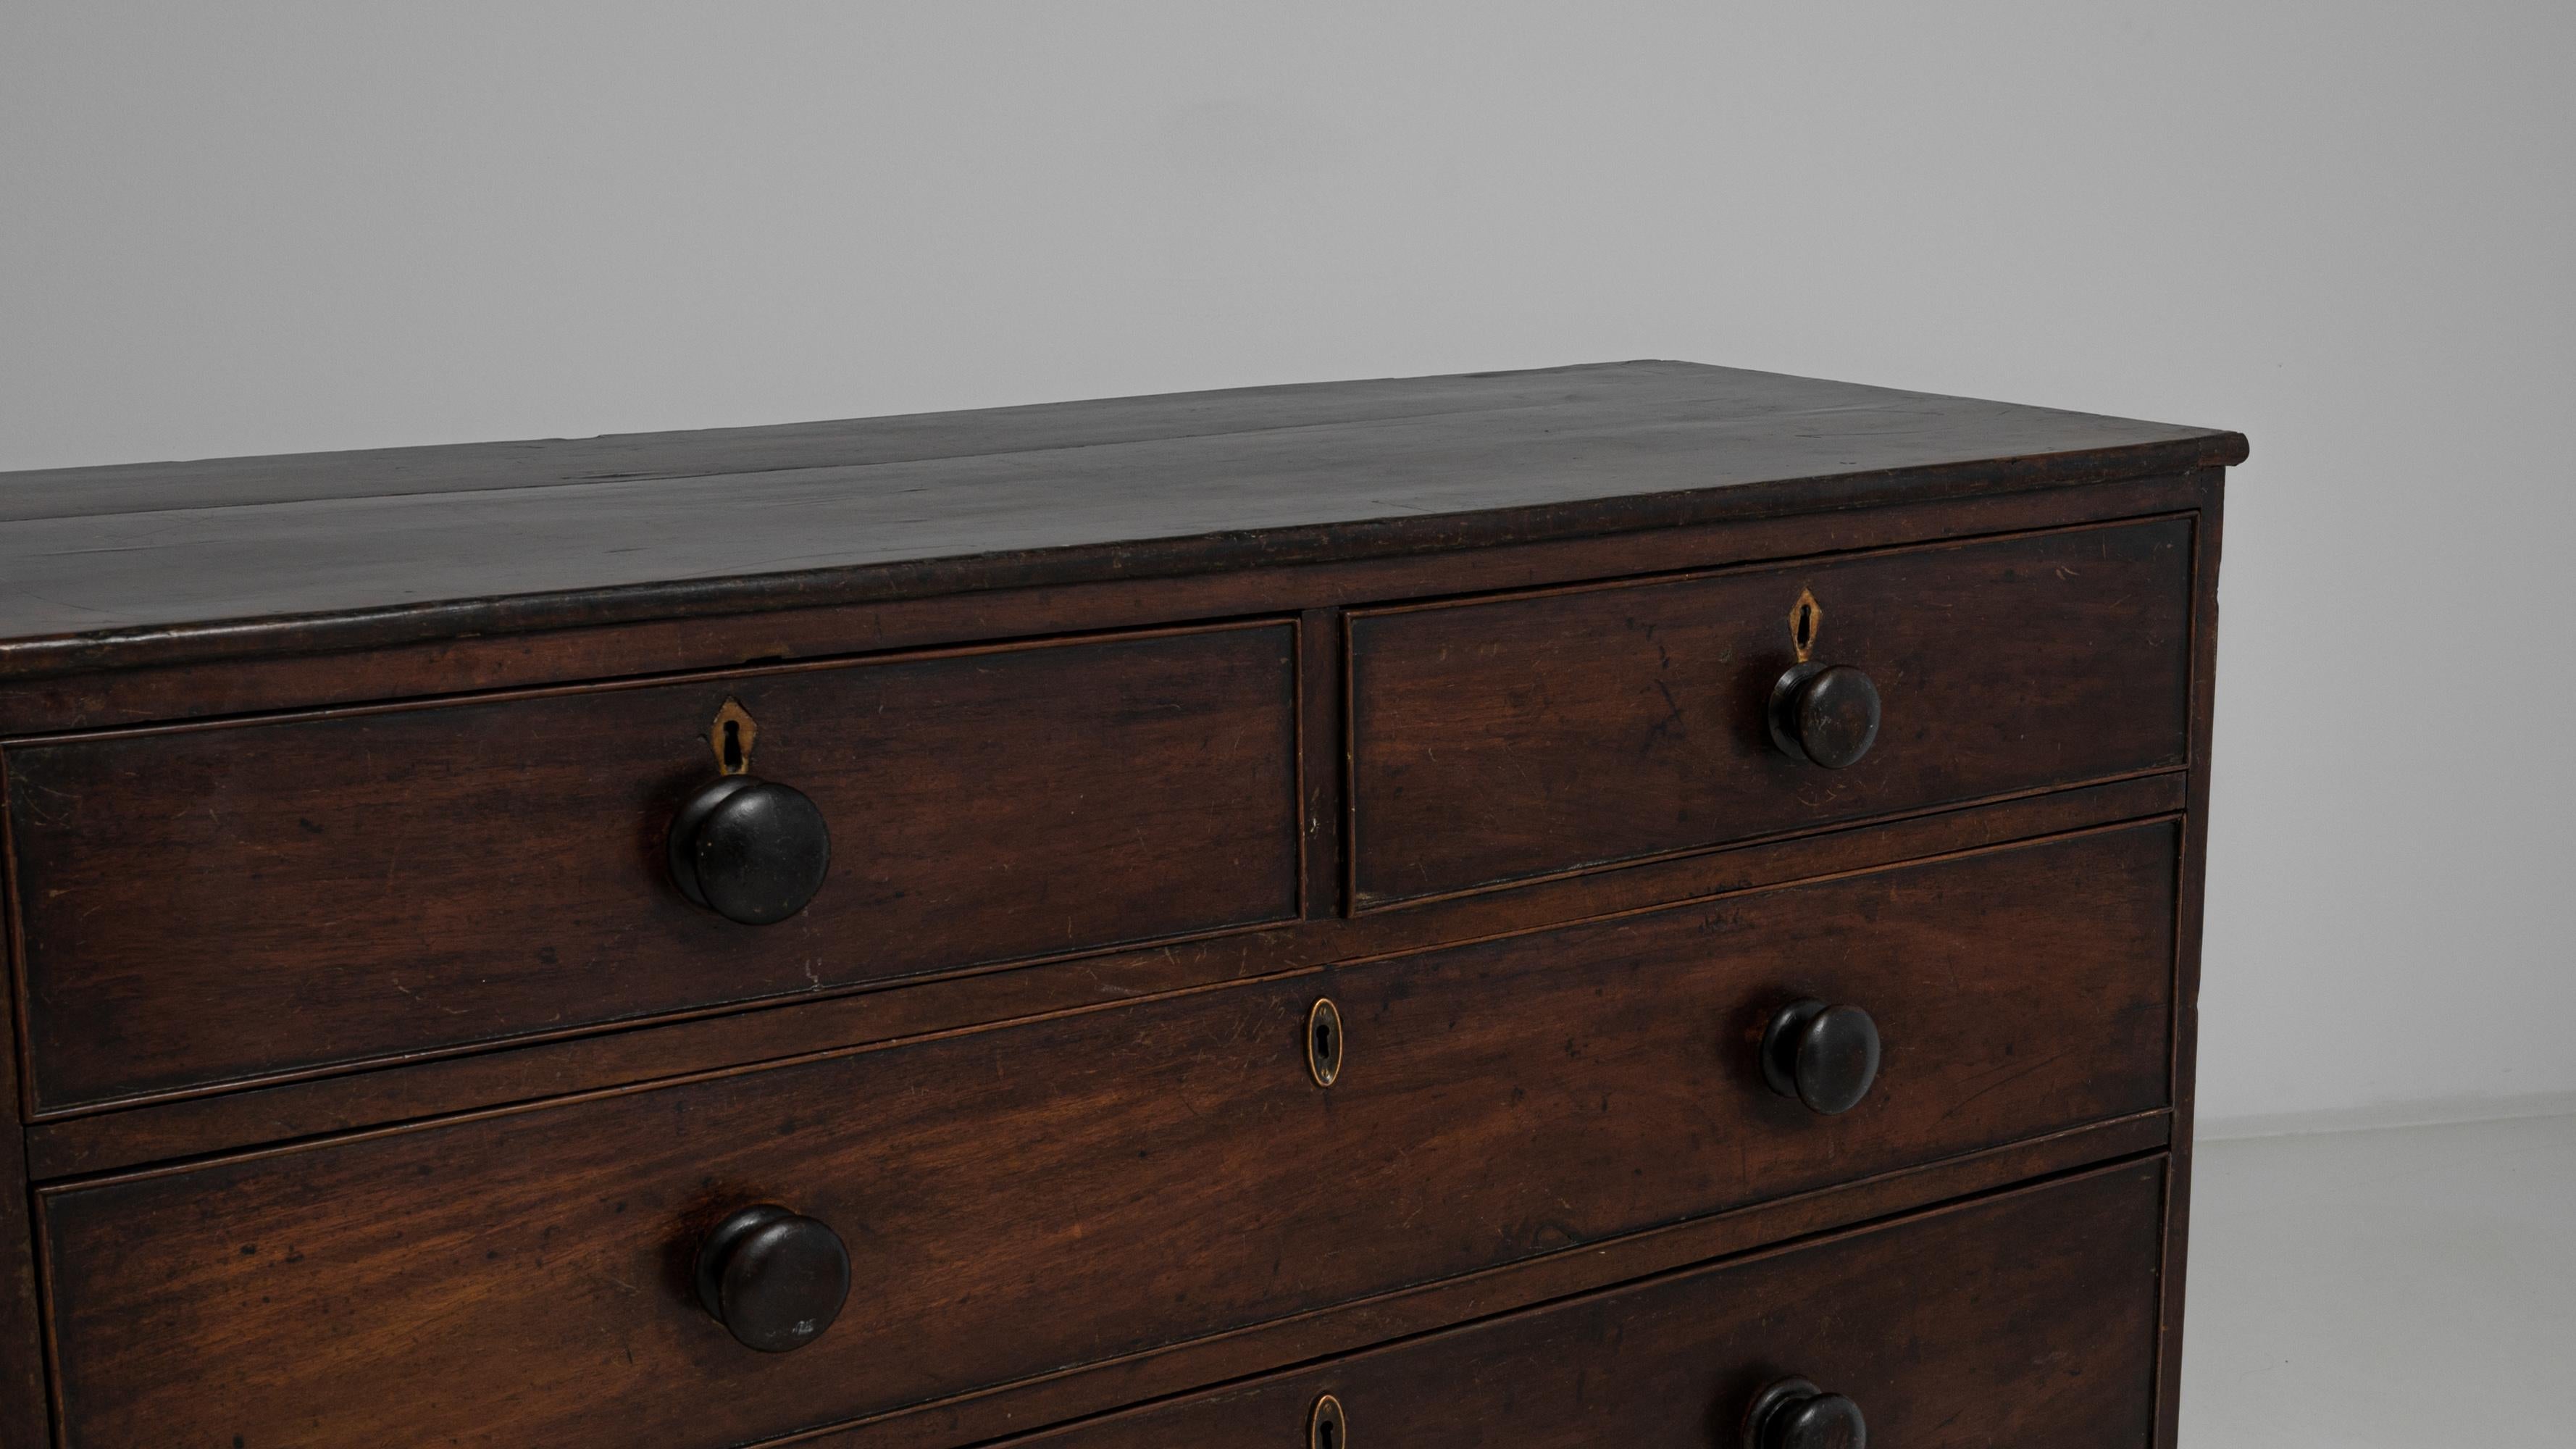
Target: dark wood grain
x,y
1320,763
2187,943
137,1136
859,442
2026,1321
1173,1170
24,1414
1496,740
332,795
1058,1398
848,442
215,905
347,552
268,675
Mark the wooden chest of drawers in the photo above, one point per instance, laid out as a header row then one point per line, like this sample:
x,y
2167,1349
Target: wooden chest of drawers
x,y
1644,905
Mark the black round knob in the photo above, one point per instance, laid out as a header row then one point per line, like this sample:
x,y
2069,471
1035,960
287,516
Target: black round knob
x,y
1826,714
773,1279
1795,1414
748,850
1825,1056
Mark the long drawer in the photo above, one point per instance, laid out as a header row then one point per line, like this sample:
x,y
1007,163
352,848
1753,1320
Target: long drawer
x,y
206,906
1498,739
1019,1199
2027,1321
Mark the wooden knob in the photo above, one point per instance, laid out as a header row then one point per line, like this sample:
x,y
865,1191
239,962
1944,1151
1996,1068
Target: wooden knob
x,y
1825,1056
773,1279
1795,1414
749,851
1826,714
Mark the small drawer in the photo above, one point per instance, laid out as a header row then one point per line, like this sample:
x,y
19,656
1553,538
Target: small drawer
x,y
1502,739
2028,1321
1023,1198
214,905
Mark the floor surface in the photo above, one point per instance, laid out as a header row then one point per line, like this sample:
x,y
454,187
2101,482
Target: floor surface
x,y
2410,1286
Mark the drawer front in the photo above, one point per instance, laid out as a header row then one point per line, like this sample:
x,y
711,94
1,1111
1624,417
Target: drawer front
x,y
2026,1321
1499,740
214,905
1023,1198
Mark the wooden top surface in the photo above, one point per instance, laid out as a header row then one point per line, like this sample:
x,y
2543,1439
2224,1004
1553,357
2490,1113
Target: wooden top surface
x,y
163,562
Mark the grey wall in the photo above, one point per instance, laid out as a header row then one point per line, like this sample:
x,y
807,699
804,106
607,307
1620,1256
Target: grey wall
x,y
2343,228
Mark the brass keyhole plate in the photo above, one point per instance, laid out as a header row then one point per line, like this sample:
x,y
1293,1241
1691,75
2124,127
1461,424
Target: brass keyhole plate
x,y
1806,621
731,737
1326,1428
1324,1042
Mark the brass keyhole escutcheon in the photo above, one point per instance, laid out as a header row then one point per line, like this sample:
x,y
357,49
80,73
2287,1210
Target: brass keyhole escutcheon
x,y
1324,1041
1327,1429
731,737
1806,621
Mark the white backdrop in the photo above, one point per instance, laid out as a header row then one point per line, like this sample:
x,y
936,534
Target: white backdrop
x,y
2343,228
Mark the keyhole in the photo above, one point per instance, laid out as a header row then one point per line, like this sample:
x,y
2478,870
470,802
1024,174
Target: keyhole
x,y
732,735
1325,1429
1806,620
1324,1042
